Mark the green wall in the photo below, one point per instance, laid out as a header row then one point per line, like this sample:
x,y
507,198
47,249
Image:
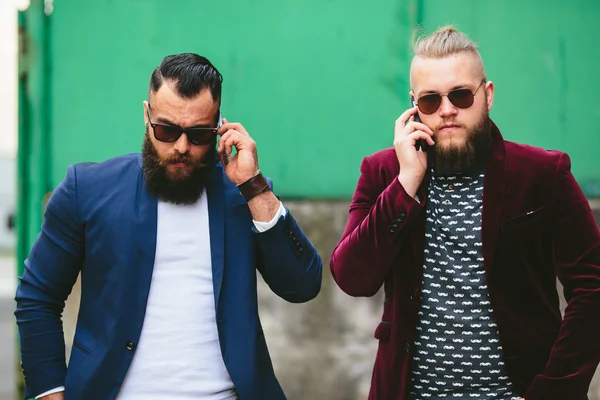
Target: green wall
x,y
315,82
319,83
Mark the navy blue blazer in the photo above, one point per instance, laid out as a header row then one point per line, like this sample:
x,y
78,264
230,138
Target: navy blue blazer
x,y
101,221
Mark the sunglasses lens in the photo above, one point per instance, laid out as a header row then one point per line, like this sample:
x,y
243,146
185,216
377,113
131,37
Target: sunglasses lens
x,y
201,136
429,103
461,98
167,134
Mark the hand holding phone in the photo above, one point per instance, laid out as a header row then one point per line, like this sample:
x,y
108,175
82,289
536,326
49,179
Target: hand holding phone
x,y
412,163
421,144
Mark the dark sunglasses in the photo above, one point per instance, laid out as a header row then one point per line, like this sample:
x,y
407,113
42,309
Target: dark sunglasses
x,y
172,133
461,98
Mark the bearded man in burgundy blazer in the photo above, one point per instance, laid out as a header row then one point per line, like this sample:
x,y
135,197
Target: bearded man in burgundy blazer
x,y
467,239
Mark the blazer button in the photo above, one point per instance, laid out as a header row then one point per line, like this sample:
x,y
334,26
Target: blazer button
x,y
407,347
130,346
413,296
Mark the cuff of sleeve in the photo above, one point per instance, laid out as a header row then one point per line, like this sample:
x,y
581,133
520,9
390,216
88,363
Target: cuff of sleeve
x,y
49,392
265,226
546,388
397,207
401,195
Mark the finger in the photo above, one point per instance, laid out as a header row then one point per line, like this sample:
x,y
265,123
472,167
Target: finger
x,y
403,119
419,126
227,149
223,157
416,135
232,125
220,145
224,137
237,139
221,151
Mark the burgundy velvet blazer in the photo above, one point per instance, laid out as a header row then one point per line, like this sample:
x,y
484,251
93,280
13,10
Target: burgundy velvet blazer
x,y
537,225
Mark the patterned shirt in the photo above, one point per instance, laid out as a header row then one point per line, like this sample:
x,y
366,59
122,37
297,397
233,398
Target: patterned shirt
x,y
457,348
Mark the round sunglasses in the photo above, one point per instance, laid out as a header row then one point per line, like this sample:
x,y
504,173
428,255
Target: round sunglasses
x,y
461,98
199,136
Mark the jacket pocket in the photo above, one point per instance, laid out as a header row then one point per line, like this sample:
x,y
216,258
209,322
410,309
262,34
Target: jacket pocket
x,y
524,220
81,348
382,332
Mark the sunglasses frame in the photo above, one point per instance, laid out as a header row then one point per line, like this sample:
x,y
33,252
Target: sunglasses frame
x,y
181,130
447,94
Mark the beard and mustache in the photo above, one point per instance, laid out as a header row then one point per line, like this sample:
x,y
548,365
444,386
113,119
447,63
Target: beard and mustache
x,y
183,187
468,157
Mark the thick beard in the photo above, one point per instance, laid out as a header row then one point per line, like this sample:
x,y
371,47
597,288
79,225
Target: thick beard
x,y
184,188
468,157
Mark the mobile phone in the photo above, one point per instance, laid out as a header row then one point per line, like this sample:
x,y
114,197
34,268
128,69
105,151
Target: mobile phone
x,y
421,144
223,154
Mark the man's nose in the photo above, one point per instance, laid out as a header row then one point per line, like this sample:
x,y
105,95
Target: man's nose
x,y
182,145
447,108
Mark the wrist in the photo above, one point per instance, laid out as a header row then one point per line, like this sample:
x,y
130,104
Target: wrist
x,y
253,186
410,181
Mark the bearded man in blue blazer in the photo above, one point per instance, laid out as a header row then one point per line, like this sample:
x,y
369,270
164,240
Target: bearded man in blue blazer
x,y
167,243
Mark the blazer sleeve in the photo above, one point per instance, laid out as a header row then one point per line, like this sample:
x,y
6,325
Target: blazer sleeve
x,y
48,278
576,248
379,215
288,261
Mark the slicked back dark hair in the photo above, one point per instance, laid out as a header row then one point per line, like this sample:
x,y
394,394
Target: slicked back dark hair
x,y
191,74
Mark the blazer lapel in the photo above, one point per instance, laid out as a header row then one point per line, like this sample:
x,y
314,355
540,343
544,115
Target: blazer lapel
x,y
493,196
216,220
145,244
418,233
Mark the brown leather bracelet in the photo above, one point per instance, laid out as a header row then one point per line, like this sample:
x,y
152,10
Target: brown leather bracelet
x,y
253,186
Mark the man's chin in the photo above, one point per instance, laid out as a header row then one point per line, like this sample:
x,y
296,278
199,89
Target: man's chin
x,y
179,172
451,143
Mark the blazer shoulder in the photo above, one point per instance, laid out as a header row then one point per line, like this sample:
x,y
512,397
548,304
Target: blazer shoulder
x,y
116,167
383,161
532,154
533,169
93,179
384,156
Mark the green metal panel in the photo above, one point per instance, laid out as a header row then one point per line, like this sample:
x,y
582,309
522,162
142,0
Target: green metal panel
x,y
33,153
319,84
543,58
315,82
33,181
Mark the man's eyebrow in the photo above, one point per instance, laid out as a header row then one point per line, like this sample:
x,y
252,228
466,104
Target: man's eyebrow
x,y
201,126
166,121
453,88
